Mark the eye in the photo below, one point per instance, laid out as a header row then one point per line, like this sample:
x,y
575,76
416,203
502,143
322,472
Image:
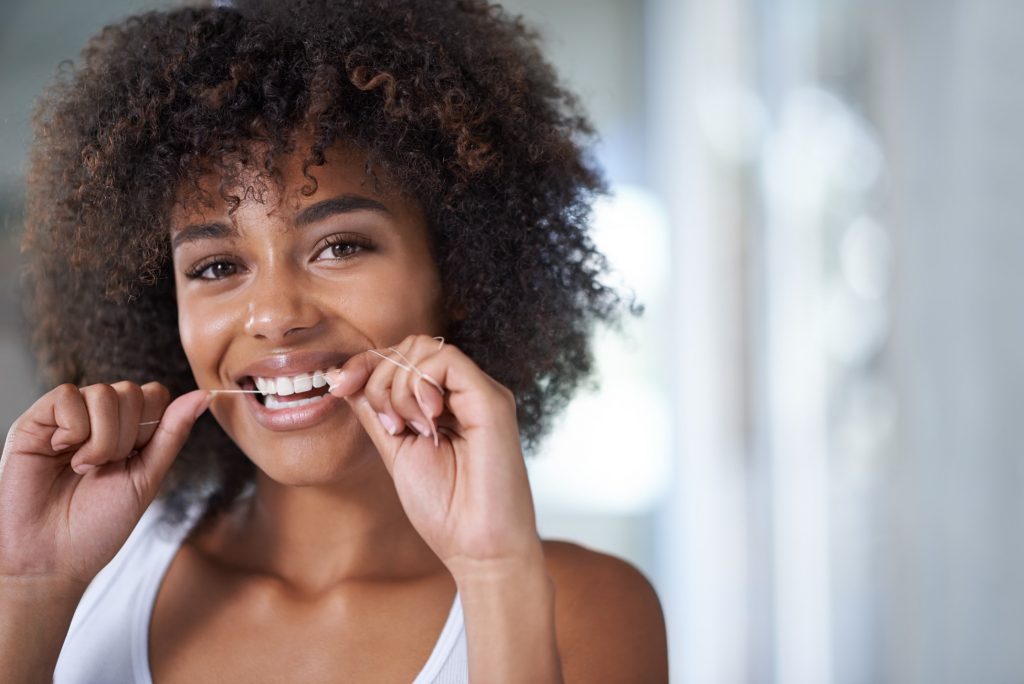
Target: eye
x,y
337,247
212,270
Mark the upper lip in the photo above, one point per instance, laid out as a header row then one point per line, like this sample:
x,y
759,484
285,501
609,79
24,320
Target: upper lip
x,y
293,363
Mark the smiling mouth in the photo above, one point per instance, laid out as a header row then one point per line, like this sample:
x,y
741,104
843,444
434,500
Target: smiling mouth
x,y
284,392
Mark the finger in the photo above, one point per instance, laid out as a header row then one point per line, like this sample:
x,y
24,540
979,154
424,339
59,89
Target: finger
x,y
473,397
102,403
352,375
155,399
147,469
352,378
56,422
129,412
407,394
429,398
377,391
70,416
386,444
406,405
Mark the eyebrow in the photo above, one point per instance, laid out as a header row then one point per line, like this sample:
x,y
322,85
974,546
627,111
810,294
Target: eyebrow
x,y
342,204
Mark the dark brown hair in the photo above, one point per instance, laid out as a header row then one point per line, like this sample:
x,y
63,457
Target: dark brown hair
x,y
451,99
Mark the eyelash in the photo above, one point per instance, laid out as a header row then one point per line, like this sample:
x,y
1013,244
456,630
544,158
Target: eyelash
x,y
337,240
352,241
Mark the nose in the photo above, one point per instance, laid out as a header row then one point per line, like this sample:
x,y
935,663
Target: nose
x,y
280,307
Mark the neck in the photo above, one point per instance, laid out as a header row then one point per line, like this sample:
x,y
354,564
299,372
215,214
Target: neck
x,y
314,538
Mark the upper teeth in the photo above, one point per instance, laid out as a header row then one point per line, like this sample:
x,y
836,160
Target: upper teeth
x,y
303,382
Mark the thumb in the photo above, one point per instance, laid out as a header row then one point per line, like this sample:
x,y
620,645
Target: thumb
x,y
387,445
153,461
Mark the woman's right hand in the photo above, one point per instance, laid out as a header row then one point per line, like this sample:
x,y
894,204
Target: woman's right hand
x,y
78,471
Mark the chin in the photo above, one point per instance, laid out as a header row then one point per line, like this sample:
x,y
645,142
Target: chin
x,y
309,461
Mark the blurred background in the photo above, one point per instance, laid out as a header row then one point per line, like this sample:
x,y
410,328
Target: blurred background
x,y
811,441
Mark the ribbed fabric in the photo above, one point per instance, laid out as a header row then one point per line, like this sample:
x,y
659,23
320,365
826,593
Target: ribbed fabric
x,y
108,640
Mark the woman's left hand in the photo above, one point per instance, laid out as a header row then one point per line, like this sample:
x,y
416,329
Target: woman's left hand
x,y
468,496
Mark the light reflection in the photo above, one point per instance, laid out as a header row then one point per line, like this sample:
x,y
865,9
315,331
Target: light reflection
x,y
733,121
610,452
855,328
866,258
821,154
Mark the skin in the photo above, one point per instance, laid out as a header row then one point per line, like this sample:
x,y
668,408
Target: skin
x,y
344,563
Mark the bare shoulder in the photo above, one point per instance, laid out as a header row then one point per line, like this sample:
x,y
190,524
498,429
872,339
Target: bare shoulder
x,y
609,623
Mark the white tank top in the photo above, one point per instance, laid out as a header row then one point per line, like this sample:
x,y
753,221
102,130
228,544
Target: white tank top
x,y
108,640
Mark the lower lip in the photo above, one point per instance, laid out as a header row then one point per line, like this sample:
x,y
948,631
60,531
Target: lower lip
x,y
296,418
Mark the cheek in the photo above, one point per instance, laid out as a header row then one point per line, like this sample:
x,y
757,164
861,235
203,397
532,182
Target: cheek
x,y
405,306
418,292
203,335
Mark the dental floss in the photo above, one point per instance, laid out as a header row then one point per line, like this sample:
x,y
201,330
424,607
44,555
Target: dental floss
x,y
420,375
213,391
407,366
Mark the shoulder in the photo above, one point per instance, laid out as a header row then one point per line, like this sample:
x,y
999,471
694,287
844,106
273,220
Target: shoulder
x,y
608,619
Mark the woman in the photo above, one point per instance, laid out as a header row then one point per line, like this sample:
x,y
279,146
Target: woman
x,y
354,232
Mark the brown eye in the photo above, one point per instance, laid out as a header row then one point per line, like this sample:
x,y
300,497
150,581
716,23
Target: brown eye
x,y
342,247
341,250
216,270
221,269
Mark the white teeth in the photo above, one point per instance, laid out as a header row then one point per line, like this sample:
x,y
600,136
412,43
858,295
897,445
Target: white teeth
x,y
285,387
303,383
274,403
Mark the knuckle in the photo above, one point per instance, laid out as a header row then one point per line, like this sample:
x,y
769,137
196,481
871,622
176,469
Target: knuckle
x,y
505,394
414,345
129,390
63,396
157,391
65,392
434,344
101,392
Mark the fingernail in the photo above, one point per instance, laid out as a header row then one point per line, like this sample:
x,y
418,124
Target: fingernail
x,y
333,378
420,428
83,468
388,423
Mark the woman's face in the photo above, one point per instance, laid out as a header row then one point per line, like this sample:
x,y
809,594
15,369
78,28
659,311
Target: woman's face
x,y
294,286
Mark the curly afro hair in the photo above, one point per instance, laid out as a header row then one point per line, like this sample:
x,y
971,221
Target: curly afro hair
x,y
451,99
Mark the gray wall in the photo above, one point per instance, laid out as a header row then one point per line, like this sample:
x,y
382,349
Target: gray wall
x,y
952,554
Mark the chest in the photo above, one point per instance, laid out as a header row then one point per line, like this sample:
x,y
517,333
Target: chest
x,y
207,628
